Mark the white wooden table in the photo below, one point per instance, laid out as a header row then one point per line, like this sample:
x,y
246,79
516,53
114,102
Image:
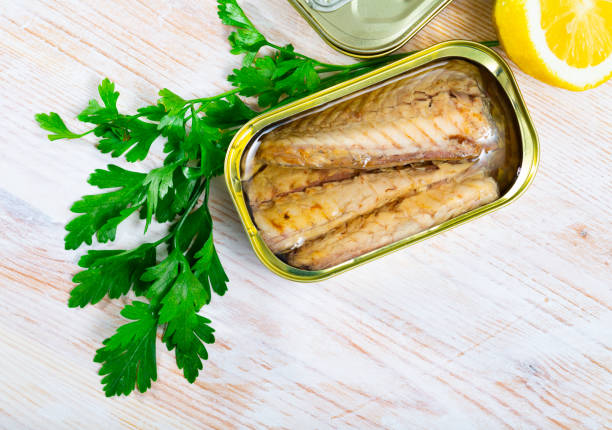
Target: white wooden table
x,y
503,323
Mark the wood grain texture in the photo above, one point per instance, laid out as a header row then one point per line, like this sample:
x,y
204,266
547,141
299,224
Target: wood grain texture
x,y
503,323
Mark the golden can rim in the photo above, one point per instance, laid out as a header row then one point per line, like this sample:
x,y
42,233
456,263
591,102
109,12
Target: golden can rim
x,y
353,51
462,49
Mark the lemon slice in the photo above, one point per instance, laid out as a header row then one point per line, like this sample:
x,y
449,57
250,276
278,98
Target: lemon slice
x,y
566,43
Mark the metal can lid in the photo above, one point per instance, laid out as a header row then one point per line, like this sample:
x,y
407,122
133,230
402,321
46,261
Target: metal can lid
x,y
368,28
326,5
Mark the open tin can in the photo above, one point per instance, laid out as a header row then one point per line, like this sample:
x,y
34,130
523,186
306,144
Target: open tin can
x,y
467,80
368,28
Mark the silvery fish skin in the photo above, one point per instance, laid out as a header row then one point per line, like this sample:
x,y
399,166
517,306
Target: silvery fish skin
x,y
289,221
442,115
394,222
276,181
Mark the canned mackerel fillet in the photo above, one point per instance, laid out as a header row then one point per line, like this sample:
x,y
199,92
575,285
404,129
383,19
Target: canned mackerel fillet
x,y
368,28
382,161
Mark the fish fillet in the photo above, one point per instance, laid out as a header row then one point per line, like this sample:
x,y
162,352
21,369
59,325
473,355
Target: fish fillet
x,y
394,222
289,221
276,181
441,115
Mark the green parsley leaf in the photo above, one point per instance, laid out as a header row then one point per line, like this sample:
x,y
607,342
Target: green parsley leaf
x,y
186,331
108,230
128,357
194,231
108,94
171,102
153,113
158,183
189,357
227,113
176,199
172,127
114,141
231,14
96,114
141,137
115,177
258,80
110,273
246,39
208,268
162,276
272,78
53,122
101,210
203,140
304,78
127,133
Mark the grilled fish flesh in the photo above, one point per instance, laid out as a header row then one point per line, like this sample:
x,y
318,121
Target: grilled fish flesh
x,y
289,221
276,181
393,222
442,115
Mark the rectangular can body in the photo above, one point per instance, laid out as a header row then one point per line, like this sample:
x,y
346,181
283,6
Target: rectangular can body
x,y
522,153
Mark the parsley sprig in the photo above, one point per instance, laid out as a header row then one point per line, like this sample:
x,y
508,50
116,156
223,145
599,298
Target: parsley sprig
x,y
176,275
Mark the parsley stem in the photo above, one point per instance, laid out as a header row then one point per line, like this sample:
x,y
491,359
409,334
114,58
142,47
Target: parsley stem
x,y
490,43
162,240
201,108
297,54
217,97
194,200
125,253
85,134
